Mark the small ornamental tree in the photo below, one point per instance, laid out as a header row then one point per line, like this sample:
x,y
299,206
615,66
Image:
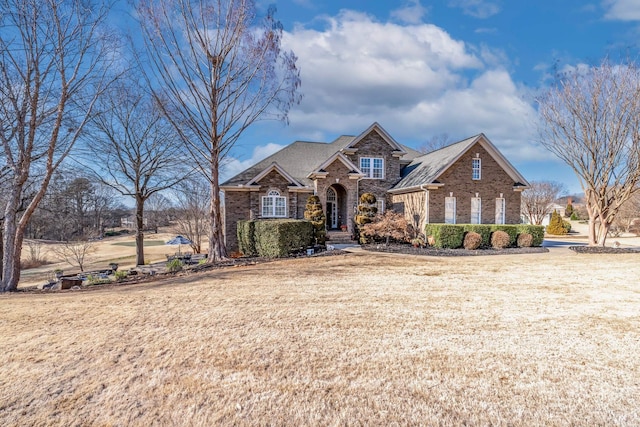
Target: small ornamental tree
x,y
568,212
313,212
366,212
556,225
390,225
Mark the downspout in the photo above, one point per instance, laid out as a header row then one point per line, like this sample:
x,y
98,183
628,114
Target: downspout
x,y
426,204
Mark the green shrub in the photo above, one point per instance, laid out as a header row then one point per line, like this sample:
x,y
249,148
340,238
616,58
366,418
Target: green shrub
x,y
246,237
274,238
510,229
313,213
447,236
484,230
500,239
525,240
121,275
472,240
96,280
366,212
174,265
568,212
536,231
557,226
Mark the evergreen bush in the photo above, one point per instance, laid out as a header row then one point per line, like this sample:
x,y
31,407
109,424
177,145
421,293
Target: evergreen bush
x,y
313,212
557,226
366,212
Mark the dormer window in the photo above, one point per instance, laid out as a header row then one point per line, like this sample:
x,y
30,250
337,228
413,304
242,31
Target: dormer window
x,y
274,205
476,169
372,167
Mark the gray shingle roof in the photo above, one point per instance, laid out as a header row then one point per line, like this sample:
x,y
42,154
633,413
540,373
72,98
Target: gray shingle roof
x,y
299,159
426,168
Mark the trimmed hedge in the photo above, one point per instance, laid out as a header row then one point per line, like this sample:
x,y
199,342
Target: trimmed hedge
x,y
483,230
536,231
246,237
451,236
446,236
273,238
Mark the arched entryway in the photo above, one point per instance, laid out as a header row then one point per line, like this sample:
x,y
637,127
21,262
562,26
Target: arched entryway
x,y
336,207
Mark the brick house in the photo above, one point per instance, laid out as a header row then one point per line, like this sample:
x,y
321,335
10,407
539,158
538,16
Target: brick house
x,y
466,182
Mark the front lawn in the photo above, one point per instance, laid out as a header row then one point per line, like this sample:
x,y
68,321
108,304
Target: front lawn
x,y
368,339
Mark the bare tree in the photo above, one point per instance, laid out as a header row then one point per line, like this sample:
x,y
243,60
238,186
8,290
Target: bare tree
x,y
192,221
591,120
218,71
135,150
54,59
436,142
74,252
538,199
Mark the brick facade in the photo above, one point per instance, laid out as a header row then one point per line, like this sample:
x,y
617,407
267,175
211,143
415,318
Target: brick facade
x,y
373,145
246,202
493,182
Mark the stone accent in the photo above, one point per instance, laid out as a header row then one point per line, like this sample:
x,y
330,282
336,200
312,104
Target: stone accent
x,y
337,176
457,180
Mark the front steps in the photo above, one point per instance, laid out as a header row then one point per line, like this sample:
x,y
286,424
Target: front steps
x,y
337,237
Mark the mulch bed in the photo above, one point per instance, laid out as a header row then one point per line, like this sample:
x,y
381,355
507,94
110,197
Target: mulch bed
x,y
410,250
603,250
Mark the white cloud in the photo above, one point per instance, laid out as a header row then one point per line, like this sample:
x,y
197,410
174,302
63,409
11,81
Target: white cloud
x,y
416,80
234,166
622,10
411,13
481,9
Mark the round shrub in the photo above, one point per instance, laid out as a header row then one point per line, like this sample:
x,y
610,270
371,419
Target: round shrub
x,y
525,240
472,240
499,239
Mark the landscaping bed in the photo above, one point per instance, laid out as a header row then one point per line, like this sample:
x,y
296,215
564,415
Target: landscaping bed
x,y
430,251
603,250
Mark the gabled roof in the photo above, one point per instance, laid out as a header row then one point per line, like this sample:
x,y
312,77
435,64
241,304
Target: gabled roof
x,y
301,158
274,167
383,133
426,169
337,156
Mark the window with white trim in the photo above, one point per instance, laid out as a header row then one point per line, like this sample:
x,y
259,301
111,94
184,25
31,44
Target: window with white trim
x,y
372,167
274,205
476,169
500,210
380,206
450,210
476,210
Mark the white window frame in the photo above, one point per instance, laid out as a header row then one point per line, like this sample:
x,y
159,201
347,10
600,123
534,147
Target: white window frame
x,y
476,210
380,205
500,210
370,169
476,169
274,205
450,210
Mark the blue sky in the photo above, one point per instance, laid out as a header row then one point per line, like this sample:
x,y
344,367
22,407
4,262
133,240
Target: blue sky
x,y
420,69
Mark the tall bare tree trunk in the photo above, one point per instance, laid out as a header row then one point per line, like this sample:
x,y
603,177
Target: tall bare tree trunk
x,y
139,230
217,248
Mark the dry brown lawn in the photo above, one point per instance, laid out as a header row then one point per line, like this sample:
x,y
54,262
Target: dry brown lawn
x,y
361,339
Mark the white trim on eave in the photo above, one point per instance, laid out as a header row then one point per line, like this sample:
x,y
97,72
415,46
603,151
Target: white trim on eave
x,y
383,133
493,152
320,172
280,170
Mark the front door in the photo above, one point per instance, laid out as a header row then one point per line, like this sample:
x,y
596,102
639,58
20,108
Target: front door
x,y
332,208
